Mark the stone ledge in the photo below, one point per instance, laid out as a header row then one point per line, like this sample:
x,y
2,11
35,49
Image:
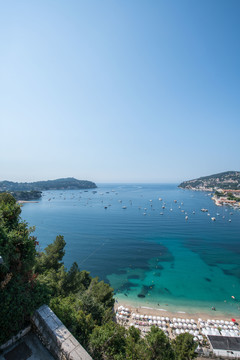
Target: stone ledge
x,y
56,337
16,338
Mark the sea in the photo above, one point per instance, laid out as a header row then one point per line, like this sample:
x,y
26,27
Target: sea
x,y
150,242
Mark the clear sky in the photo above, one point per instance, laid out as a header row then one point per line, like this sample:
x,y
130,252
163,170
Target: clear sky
x,y
119,91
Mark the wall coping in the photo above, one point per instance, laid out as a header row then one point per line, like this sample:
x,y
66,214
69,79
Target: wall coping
x,y
56,337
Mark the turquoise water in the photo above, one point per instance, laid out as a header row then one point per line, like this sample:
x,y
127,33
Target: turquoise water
x,y
154,260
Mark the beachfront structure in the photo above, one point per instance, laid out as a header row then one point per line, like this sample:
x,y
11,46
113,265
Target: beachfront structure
x,y
226,346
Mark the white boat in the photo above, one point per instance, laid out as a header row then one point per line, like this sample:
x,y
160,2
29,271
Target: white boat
x,y
213,219
186,217
124,207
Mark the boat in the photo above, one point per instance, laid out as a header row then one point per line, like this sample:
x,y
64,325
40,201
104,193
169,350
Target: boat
x,y
175,201
105,207
124,207
193,212
161,213
213,219
186,217
204,210
163,207
160,199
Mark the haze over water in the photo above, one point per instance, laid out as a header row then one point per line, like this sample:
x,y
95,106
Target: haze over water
x,y
155,260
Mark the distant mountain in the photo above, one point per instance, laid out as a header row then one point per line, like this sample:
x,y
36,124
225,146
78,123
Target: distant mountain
x,y
224,180
58,184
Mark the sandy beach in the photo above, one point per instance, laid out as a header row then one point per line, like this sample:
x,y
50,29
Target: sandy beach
x,y
147,310
26,201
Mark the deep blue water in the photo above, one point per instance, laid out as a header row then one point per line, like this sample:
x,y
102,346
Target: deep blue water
x,y
172,263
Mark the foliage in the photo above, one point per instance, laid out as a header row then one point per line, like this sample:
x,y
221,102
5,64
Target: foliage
x,y
20,291
158,345
27,195
184,347
69,310
108,342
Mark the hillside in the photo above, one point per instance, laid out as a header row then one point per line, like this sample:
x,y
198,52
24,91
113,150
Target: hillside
x,y
225,180
58,184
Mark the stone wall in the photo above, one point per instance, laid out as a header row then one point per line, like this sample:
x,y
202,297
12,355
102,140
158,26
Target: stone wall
x,y
56,337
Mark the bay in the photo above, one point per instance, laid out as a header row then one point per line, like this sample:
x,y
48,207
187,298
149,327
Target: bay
x,y
151,255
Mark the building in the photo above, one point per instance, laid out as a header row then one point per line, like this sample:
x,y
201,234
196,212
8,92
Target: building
x,y
226,346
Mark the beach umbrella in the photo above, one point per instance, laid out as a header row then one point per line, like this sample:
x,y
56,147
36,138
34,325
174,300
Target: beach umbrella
x,y
195,338
158,318
133,315
154,318
222,321
194,326
199,320
146,317
171,325
150,317
142,316
162,318
187,321
137,316
174,319
182,331
189,326
226,322
127,309
178,319
185,325
159,322
192,321
231,323
233,320
217,322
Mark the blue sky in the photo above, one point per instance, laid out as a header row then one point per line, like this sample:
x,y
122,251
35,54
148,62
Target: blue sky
x,y
119,91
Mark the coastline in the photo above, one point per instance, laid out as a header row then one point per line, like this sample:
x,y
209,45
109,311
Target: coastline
x,y
27,201
142,310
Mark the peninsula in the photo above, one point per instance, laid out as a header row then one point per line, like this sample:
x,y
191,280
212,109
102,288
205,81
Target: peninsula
x,y
33,190
225,186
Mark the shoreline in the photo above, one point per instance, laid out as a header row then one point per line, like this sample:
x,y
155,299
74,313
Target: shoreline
x,y
27,201
143,310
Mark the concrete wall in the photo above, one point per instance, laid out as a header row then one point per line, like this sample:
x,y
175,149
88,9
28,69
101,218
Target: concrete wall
x,y
228,354
56,337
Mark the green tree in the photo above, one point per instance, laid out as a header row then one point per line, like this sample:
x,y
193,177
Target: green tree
x,y
135,345
108,342
158,345
69,310
20,291
184,347
52,257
